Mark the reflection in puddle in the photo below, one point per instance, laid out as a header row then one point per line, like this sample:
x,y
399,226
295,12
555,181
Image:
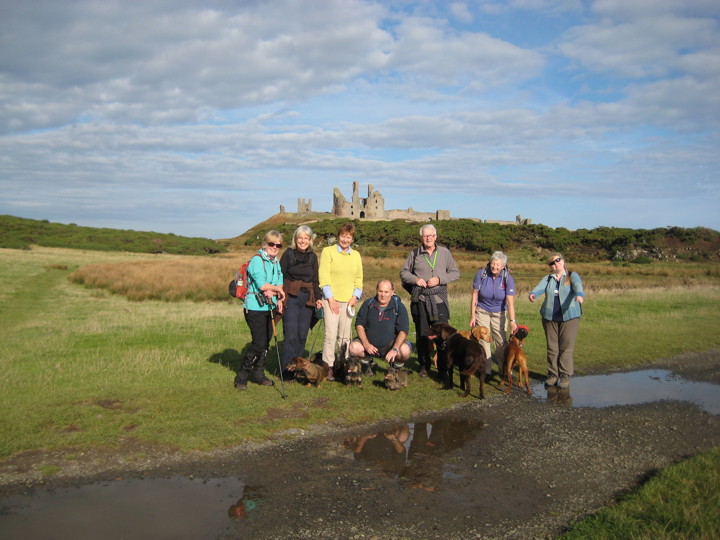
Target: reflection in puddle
x,y
631,389
174,507
415,452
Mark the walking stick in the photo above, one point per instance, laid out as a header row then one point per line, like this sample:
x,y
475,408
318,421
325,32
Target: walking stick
x,y
277,351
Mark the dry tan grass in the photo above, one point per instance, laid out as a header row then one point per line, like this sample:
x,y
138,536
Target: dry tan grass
x,y
206,278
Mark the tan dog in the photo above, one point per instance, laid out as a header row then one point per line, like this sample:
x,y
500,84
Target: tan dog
x,y
514,354
315,374
477,333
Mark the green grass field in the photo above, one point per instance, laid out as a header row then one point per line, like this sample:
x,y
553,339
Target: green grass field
x,y
83,367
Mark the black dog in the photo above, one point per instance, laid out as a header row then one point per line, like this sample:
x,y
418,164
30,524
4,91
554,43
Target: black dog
x,y
348,371
469,356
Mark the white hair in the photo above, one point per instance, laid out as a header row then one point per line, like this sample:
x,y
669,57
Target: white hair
x,y
499,256
428,226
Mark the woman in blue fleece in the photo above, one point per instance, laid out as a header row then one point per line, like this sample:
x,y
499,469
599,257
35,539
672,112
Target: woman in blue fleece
x,y
560,311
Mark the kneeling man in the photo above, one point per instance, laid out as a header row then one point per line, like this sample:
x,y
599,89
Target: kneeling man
x,y
382,325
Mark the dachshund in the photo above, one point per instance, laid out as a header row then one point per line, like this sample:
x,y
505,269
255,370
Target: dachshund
x,y
314,374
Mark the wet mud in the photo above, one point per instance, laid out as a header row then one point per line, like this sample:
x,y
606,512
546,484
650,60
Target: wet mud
x,y
514,466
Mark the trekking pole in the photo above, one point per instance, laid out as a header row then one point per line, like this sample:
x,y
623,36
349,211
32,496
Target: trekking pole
x,y
312,345
277,351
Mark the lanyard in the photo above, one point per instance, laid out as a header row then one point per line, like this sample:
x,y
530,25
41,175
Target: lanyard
x,y
432,264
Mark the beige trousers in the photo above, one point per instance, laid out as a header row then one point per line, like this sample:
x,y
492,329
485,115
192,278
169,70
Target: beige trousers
x,y
497,324
338,330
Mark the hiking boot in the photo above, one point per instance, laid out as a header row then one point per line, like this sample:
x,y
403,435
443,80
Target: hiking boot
x,y
423,373
240,386
564,382
265,382
552,380
330,376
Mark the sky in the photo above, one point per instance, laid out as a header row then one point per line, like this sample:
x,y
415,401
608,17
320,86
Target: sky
x,y
203,118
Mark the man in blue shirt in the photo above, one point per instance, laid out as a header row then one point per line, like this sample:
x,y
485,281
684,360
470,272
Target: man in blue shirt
x,y
382,326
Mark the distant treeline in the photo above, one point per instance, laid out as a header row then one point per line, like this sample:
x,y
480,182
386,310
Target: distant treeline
x,y
603,243
21,233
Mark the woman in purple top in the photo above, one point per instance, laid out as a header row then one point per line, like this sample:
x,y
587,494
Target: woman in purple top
x,y
493,306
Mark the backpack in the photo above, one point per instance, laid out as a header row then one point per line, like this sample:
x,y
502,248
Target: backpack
x,y
486,271
238,287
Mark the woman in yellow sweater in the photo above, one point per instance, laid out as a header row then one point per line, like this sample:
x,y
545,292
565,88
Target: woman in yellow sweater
x,y
341,281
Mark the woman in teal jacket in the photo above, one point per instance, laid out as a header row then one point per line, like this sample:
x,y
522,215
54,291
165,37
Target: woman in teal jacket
x,y
265,295
560,311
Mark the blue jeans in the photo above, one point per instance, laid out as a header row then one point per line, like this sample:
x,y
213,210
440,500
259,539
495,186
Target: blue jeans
x,y
296,325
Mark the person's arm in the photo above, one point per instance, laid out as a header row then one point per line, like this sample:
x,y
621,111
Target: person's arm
x,y
362,336
473,305
510,301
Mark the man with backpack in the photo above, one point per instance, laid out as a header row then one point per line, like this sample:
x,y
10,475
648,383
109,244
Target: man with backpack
x,y
382,326
426,274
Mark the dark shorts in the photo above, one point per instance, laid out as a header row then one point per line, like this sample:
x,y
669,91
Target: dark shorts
x,y
382,351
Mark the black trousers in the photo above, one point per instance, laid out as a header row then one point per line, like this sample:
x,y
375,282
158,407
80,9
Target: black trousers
x,y
296,326
260,326
422,323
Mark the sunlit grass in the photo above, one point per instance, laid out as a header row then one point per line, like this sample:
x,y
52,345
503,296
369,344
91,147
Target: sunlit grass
x,y
682,501
167,367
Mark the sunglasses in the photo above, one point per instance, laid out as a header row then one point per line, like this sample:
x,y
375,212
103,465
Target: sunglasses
x,y
273,244
555,261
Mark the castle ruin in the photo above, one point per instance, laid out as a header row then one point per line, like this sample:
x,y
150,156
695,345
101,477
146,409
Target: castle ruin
x,y
372,207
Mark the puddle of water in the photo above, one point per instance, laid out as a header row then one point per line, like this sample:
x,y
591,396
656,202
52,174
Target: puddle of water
x,y
179,508
632,388
416,452
176,507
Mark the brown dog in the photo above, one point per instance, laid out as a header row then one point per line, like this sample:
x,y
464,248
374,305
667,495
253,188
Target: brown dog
x,y
467,354
396,378
514,354
315,374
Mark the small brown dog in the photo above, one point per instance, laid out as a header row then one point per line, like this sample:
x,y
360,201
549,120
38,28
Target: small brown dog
x,y
467,354
396,378
514,354
314,374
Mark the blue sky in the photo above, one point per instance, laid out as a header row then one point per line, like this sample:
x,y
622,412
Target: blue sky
x,y
203,118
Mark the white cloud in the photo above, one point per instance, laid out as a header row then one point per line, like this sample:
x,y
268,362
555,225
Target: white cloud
x,y
203,119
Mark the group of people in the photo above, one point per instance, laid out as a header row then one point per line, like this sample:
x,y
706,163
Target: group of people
x,y
300,285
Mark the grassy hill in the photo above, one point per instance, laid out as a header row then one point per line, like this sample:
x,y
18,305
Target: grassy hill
x,y
21,233
603,243
386,238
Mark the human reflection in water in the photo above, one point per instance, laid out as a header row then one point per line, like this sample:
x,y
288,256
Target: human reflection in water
x,y
385,449
245,504
561,396
431,443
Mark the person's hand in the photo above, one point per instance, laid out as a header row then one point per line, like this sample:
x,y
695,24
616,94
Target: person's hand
x,y
513,327
391,355
433,281
318,304
472,322
353,300
421,283
370,349
334,306
531,297
281,294
580,299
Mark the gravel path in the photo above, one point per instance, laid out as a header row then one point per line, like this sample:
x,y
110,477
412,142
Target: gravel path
x,y
506,467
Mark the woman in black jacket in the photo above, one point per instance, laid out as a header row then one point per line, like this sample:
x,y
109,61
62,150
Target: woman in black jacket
x,y
299,266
